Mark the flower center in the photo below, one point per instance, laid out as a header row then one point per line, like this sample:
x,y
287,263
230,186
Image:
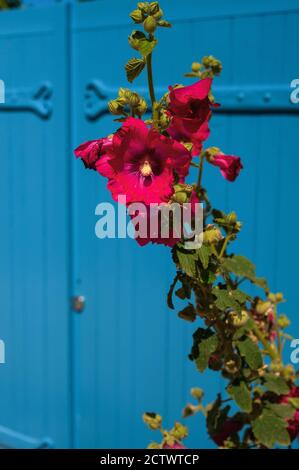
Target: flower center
x,y
145,168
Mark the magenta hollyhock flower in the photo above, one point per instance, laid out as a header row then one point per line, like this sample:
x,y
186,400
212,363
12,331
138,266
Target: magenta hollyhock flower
x,y
229,427
230,166
91,151
190,111
159,227
141,163
150,219
293,423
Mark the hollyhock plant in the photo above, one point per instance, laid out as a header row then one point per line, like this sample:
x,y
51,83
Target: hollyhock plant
x,y
239,331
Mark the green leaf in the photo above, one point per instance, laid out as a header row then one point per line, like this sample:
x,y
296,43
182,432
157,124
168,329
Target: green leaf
x,y
261,282
206,347
276,384
187,261
240,332
226,299
239,296
188,313
269,429
146,46
240,266
251,353
134,68
283,411
240,393
243,267
294,402
204,253
170,293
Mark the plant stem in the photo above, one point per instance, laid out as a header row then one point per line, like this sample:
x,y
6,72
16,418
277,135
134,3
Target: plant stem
x,y
273,354
198,186
150,81
224,245
277,330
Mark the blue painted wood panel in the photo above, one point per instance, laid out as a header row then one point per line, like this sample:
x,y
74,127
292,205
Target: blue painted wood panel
x,y
35,230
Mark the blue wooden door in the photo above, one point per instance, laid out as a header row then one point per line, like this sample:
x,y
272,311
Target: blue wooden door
x,y
130,349
35,404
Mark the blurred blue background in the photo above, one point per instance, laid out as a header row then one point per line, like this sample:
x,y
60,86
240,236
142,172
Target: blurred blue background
x,y
84,379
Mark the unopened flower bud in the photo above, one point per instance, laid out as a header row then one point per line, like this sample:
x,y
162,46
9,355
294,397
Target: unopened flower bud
x,y
182,193
158,15
179,431
122,92
283,321
143,6
232,364
115,107
141,107
153,420
132,99
238,319
153,8
206,60
231,218
279,297
212,234
180,197
216,66
164,120
195,67
272,297
150,24
262,307
137,16
197,393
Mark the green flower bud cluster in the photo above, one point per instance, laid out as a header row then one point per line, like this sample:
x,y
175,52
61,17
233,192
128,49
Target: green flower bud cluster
x,y
212,65
209,67
283,321
170,438
228,222
212,235
127,99
150,14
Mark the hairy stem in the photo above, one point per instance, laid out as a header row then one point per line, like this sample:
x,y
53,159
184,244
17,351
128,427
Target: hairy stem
x,y
151,83
227,238
272,353
198,186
